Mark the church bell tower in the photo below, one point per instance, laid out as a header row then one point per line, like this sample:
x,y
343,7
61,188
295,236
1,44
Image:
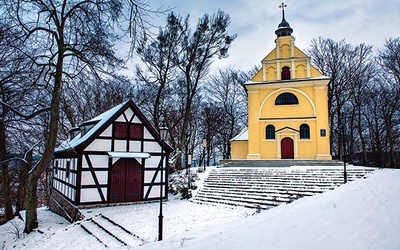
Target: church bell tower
x,y
287,106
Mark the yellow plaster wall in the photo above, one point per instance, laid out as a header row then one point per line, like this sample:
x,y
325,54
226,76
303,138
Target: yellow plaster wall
x,y
239,149
301,71
264,88
268,148
270,110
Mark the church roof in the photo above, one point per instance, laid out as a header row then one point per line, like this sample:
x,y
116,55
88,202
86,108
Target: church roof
x,y
242,136
284,28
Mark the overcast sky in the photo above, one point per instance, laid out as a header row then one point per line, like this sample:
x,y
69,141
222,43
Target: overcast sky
x,y
255,21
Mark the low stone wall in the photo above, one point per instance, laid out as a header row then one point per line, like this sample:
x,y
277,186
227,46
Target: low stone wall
x,y
61,206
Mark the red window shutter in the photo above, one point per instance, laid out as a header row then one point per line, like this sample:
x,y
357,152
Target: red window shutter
x,y
136,131
121,130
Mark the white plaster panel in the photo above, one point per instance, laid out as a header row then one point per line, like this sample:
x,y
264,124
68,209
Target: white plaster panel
x,y
99,145
99,161
114,160
155,192
87,178
145,190
148,176
150,146
135,146
153,161
73,179
129,113
71,176
70,193
107,131
121,118
84,162
146,134
61,175
90,195
136,120
73,164
73,195
104,191
120,145
102,177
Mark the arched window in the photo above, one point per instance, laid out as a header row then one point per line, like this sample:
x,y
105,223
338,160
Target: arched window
x,y
270,132
286,99
285,74
304,131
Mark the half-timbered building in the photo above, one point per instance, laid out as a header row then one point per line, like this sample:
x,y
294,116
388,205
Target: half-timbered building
x,y
115,157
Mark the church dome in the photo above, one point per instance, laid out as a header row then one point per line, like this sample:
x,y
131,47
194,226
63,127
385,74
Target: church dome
x,y
284,28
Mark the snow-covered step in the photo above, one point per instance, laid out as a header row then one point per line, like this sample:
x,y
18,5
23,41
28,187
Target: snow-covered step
x,y
248,187
110,233
210,201
122,234
102,236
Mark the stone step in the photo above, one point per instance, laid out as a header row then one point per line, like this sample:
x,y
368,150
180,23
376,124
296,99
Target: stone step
x,y
268,187
277,163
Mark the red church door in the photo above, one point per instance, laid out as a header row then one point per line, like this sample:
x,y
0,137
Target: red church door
x,y
287,148
126,181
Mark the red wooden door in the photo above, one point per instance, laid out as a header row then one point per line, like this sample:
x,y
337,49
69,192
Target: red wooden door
x,y
126,181
133,189
287,148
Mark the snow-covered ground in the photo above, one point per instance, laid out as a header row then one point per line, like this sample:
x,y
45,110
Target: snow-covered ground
x,y
363,214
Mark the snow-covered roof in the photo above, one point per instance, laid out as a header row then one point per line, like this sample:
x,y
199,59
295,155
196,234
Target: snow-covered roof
x,y
242,136
99,121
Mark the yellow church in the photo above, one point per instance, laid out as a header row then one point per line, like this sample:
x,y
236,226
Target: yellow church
x,y
287,106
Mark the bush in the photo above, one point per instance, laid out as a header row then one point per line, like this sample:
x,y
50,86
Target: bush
x,y
178,183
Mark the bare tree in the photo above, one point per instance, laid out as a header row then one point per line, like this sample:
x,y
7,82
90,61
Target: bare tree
x,y
345,65
18,88
159,56
226,89
198,50
83,100
70,37
176,65
389,58
389,61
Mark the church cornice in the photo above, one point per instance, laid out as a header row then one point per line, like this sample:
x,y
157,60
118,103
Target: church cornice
x,y
298,82
308,118
286,59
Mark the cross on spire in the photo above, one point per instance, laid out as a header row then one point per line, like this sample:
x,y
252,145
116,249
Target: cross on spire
x,y
284,27
283,6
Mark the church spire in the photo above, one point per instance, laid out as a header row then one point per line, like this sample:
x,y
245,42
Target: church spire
x,y
284,27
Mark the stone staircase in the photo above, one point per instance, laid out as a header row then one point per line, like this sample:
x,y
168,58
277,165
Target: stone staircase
x,y
109,233
264,188
278,163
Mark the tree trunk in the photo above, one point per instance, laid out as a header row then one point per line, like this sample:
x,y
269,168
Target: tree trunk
x,y
23,180
362,139
34,174
8,211
31,221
